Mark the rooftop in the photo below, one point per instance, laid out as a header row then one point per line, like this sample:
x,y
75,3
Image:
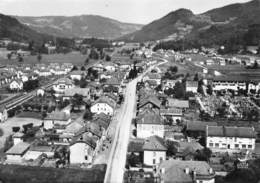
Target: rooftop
x,y
18,149
178,103
227,131
154,143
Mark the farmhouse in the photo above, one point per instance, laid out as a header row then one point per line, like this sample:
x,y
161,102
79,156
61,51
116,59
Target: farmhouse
x,y
104,105
56,118
16,153
16,85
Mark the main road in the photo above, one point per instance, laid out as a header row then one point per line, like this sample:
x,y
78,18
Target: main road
x,y
117,158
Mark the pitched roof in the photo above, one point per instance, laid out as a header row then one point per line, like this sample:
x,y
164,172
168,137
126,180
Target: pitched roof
x,y
175,170
150,99
18,149
178,103
72,91
171,111
85,138
149,118
228,131
66,81
61,116
199,125
107,101
136,145
154,143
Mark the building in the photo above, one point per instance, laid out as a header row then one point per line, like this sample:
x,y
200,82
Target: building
x,y
56,118
192,86
196,129
3,114
77,75
174,114
69,93
62,84
175,103
154,151
17,137
82,150
104,105
16,153
16,85
178,171
230,139
149,124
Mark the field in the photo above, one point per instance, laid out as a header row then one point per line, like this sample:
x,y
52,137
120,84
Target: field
x,y
17,174
74,57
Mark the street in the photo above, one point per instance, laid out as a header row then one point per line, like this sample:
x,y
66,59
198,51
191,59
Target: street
x,y
117,158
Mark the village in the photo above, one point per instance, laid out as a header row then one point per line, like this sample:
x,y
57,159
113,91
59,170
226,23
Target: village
x,y
190,114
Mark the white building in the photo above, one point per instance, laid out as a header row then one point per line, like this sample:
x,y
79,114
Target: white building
x,y
230,139
233,83
192,86
77,75
3,114
82,150
104,105
16,153
149,125
154,151
62,84
56,118
16,85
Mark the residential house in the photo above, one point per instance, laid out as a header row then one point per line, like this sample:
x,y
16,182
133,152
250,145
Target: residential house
x,y
230,139
154,150
17,137
153,77
229,83
169,83
109,66
43,72
62,84
40,92
149,124
16,153
186,150
176,171
192,86
104,105
56,118
82,150
16,85
77,75
70,92
173,114
149,102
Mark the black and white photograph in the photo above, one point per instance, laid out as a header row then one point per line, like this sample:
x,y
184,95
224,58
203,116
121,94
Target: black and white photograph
x,y
129,91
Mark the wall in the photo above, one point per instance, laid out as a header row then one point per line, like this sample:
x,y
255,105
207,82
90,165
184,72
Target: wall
x,y
150,156
148,130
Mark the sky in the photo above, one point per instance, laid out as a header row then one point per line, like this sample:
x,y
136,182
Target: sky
x,y
132,11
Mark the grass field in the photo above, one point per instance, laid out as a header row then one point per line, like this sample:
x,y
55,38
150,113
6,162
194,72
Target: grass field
x,y
74,57
27,174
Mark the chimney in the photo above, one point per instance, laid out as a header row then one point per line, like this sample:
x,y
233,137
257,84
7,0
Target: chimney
x,y
210,171
187,170
162,170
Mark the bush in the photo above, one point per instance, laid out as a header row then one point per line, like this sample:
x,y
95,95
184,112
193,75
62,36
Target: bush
x,y
16,129
1,132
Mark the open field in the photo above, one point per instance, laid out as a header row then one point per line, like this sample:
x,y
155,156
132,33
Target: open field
x,y
11,122
17,174
75,58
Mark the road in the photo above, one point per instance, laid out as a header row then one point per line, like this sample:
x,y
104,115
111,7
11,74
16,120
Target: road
x,y
117,158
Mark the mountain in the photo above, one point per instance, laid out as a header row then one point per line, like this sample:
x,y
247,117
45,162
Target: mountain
x,y
79,26
12,28
211,27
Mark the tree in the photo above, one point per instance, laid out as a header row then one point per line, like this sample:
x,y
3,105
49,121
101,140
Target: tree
x,y
203,155
209,90
108,58
87,61
82,68
9,56
75,68
76,101
179,90
20,58
173,69
39,57
16,129
196,77
200,87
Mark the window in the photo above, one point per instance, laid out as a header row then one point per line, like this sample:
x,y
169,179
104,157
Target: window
x,y
224,145
154,161
249,146
243,146
236,146
86,157
216,144
210,144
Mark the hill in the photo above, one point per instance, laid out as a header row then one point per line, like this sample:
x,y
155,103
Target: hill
x,y
84,26
212,27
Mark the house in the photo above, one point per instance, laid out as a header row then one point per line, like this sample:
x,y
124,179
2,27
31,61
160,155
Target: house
x,y
192,86
154,151
62,84
174,136
24,78
230,139
109,66
40,92
230,82
174,114
186,150
176,103
82,150
153,77
104,105
151,102
42,149
16,153
56,118
177,171
17,137
3,113
43,72
169,83
70,92
149,124
77,75
16,85
209,62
